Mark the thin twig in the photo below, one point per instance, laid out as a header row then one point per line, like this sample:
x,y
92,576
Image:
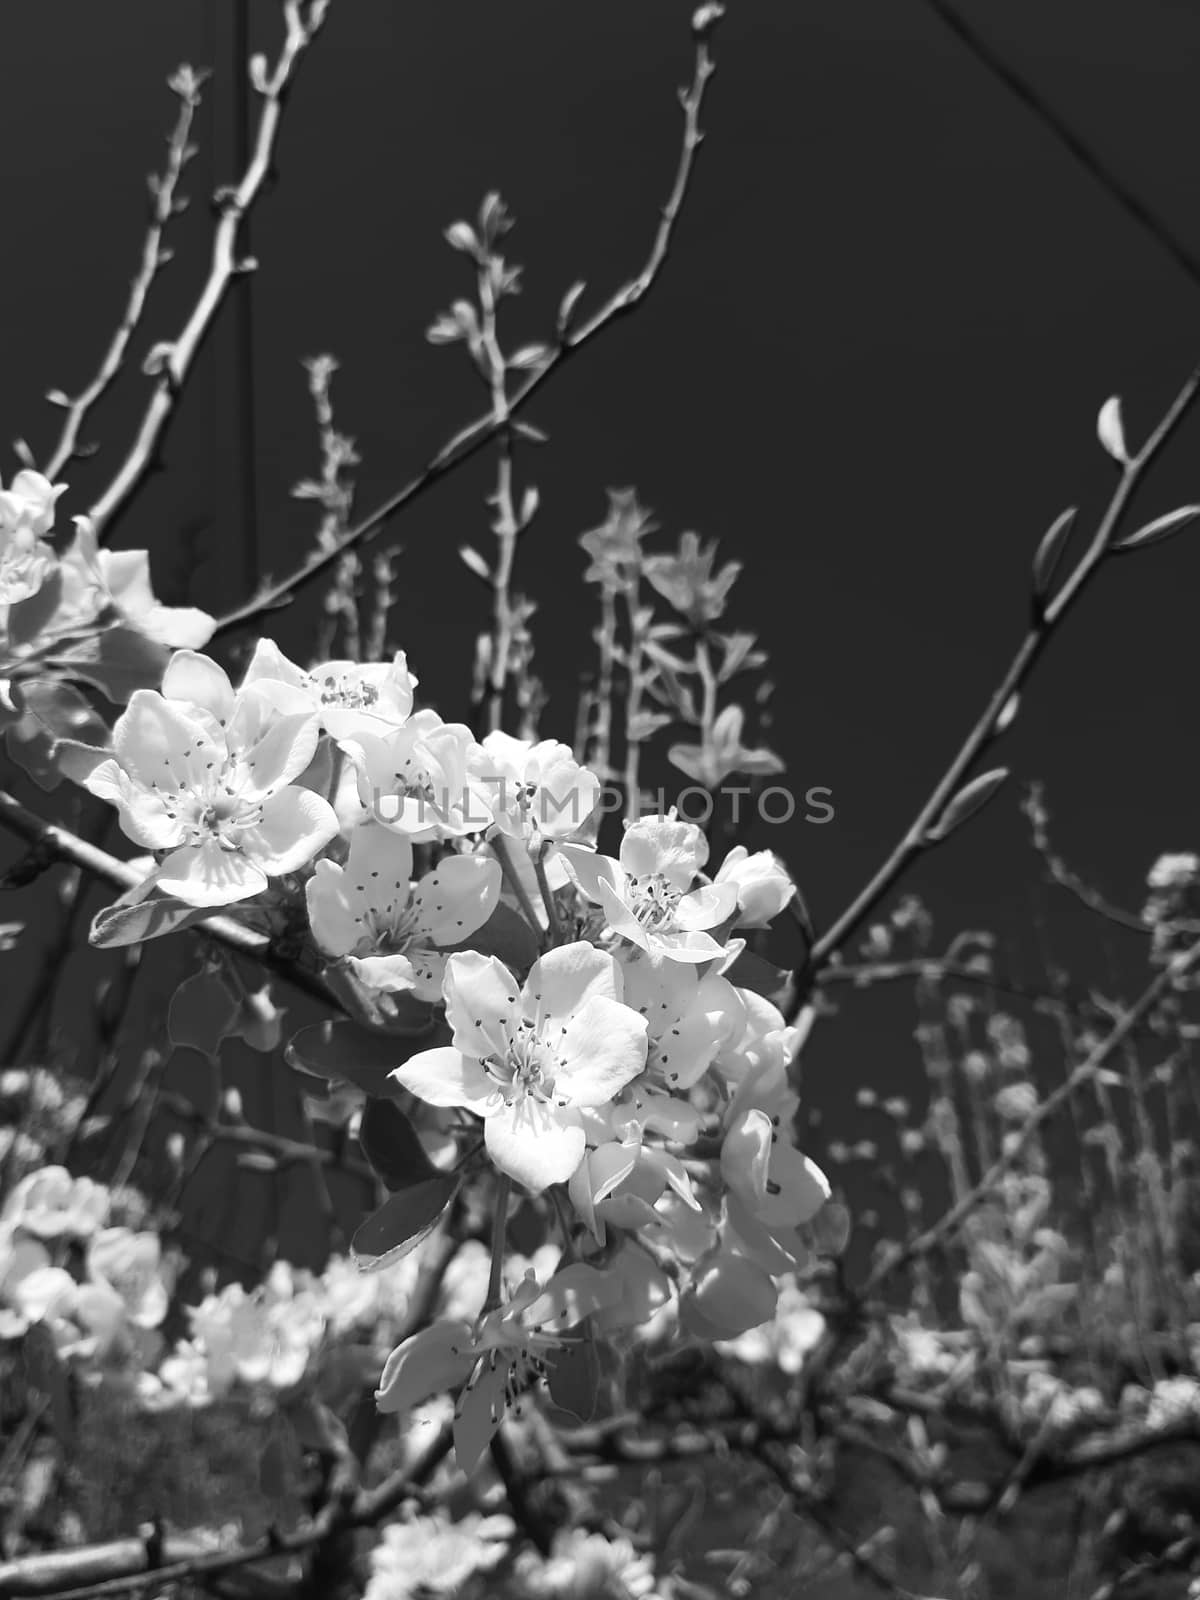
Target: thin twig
x,y
1084,1073
172,361
62,845
920,835
1085,155
186,83
477,434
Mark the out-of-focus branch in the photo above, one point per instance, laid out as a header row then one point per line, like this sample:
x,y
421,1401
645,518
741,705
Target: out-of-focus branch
x,y
59,844
170,362
924,831
921,1244
1088,158
475,435
124,1564
186,83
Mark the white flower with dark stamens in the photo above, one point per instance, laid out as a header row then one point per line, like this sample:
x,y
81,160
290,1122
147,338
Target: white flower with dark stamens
x,y
350,697
530,1059
95,580
538,790
26,516
206,776
417,778
688,1017
647,894
507,1353
388,931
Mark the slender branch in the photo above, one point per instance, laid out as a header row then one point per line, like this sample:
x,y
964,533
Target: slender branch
x,y
1088,158
186,83
988,727
469,440
61,845
171,362
921,1244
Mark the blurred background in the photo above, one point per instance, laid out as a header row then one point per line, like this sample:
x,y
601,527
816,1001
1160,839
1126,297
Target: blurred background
x,y
871,369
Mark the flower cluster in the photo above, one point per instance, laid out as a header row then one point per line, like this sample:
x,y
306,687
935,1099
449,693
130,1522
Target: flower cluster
x,y
572,1021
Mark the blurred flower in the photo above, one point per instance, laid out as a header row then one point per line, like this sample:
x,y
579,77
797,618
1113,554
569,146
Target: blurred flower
x,y
26,516
428,1556
687,582
52,1204
586,1566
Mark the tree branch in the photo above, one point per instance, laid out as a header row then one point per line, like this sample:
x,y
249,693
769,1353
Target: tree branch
x,y
172,362
475,435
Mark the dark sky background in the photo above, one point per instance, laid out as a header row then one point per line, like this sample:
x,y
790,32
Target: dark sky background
x,y
871,368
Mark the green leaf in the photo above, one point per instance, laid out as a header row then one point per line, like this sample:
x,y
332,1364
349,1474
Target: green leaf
x,y
133,921
750,971
116,662
392,1147
966,803
56,733
343,1051
1161,528
203,1011
1049,552
402,1223
507,936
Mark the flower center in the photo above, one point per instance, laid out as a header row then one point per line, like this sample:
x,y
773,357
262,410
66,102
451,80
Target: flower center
x,y
653,900
346,691
527,1067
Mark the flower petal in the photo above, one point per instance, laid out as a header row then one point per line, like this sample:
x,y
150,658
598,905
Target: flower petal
x,y
535,1143
199,681
296,823
456,898
206,875
482,1003
446,1077
602,1047
566,978
436,1359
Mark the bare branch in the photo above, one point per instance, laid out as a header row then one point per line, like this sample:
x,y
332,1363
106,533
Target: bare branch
x,y
1048,613
475,435
172,362
60,844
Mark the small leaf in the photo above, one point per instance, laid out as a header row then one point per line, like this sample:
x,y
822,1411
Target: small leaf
x,y
391,1145
528,357
566,310
574,1379
472,559
966,803
1054,542
135,922
116,662
343,1051
461,236
402,1223
750,971
1008,713
527,431
257,1161
507,936
202,1013
530,501
1161,528
1111,430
